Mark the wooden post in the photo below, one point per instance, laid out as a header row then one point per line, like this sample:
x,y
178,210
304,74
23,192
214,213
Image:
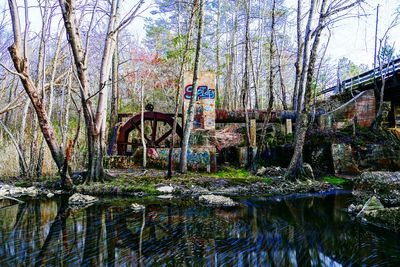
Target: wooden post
x,y
253,133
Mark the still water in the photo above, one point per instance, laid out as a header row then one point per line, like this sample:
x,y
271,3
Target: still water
x,y
299,230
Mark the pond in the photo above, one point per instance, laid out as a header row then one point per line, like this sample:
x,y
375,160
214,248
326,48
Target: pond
x,y
298,230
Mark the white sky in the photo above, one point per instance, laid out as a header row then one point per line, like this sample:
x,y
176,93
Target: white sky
x,y
352,38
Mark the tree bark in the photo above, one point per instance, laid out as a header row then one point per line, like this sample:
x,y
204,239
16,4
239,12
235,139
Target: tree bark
x,y
190,112
178,89
21,65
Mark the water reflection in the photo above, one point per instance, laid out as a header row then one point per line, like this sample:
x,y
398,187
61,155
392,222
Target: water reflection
x,y
296,231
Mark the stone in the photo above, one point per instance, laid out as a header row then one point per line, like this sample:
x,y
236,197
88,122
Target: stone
x,y
165,189
372,204
261,171
137,207
385,185
388,218
78,199
50,195
308,170
165,197
352,208
343,160
218,201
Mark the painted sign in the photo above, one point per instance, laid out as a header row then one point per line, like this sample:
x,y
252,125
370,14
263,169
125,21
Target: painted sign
x,y
204,109
203,92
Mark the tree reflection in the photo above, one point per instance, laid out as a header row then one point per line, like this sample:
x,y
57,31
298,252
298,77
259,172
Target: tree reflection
x,y
286,232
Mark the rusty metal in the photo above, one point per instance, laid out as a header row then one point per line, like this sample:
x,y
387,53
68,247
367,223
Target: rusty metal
x,y
153,140
239,116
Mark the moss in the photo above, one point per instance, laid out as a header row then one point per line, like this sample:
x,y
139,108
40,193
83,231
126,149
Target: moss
x,y
23,183
333,180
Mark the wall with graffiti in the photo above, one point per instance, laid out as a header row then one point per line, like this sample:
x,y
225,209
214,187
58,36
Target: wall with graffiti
x,y
199,159
204,117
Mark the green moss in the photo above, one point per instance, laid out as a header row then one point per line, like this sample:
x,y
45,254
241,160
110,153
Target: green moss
x,y
23,183
232,173
333,180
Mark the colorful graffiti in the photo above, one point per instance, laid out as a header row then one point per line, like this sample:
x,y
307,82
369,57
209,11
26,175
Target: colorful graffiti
x,y
203,92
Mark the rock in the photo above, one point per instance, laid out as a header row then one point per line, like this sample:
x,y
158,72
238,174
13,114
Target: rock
x,y
165,189
385,185
352,208
50,195
261,171
78,199
372,204
219,201
343,160
308,170
137,207
388,218
32,191
165,197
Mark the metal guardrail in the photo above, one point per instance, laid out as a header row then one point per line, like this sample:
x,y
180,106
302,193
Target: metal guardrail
x,y
389,70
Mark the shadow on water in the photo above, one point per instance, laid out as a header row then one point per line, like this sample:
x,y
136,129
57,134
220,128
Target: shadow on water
x,y
300,230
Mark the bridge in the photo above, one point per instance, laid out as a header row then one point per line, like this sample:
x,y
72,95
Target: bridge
x,y
367,80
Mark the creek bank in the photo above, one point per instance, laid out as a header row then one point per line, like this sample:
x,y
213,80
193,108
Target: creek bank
x,y
383,185
191,186
7,190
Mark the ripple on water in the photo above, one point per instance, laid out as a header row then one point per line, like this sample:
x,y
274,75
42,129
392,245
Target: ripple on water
x,y
299,230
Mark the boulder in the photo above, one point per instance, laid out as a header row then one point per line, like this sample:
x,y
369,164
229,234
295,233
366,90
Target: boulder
x,y
261,171
372,204
79,200
217,201
388,218
385,185
50,195
165,189
308,170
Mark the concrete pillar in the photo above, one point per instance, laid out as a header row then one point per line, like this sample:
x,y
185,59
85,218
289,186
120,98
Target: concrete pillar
x,y
289,126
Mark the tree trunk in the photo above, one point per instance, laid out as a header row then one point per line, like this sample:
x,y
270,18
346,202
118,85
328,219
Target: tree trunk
x,y
142,125
262,143
298,57
178,90
114,92
21,65
217,89
190,112
295,169
246,84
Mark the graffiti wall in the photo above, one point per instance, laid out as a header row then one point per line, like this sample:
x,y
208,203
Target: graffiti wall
x,y
204,117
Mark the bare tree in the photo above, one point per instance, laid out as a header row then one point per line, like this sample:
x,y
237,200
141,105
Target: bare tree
x,y
94,116
190,112
330,11
21,64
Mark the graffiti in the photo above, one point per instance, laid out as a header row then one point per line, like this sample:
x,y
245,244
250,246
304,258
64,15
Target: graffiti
x,y
203,92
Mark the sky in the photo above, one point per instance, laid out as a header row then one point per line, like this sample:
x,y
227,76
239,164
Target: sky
x,y
352,38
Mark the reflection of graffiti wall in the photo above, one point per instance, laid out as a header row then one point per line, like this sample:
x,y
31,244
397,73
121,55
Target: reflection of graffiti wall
x,y
204,117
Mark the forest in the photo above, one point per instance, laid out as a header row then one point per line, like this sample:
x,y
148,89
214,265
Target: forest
x,y
156,122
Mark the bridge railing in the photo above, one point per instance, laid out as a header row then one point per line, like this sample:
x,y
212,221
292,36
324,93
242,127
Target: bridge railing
x,y
365,78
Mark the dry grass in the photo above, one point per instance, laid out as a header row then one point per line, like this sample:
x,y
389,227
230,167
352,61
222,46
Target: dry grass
x,y
9,162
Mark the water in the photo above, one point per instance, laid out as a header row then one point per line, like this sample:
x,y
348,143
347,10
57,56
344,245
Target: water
x,y
300,230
